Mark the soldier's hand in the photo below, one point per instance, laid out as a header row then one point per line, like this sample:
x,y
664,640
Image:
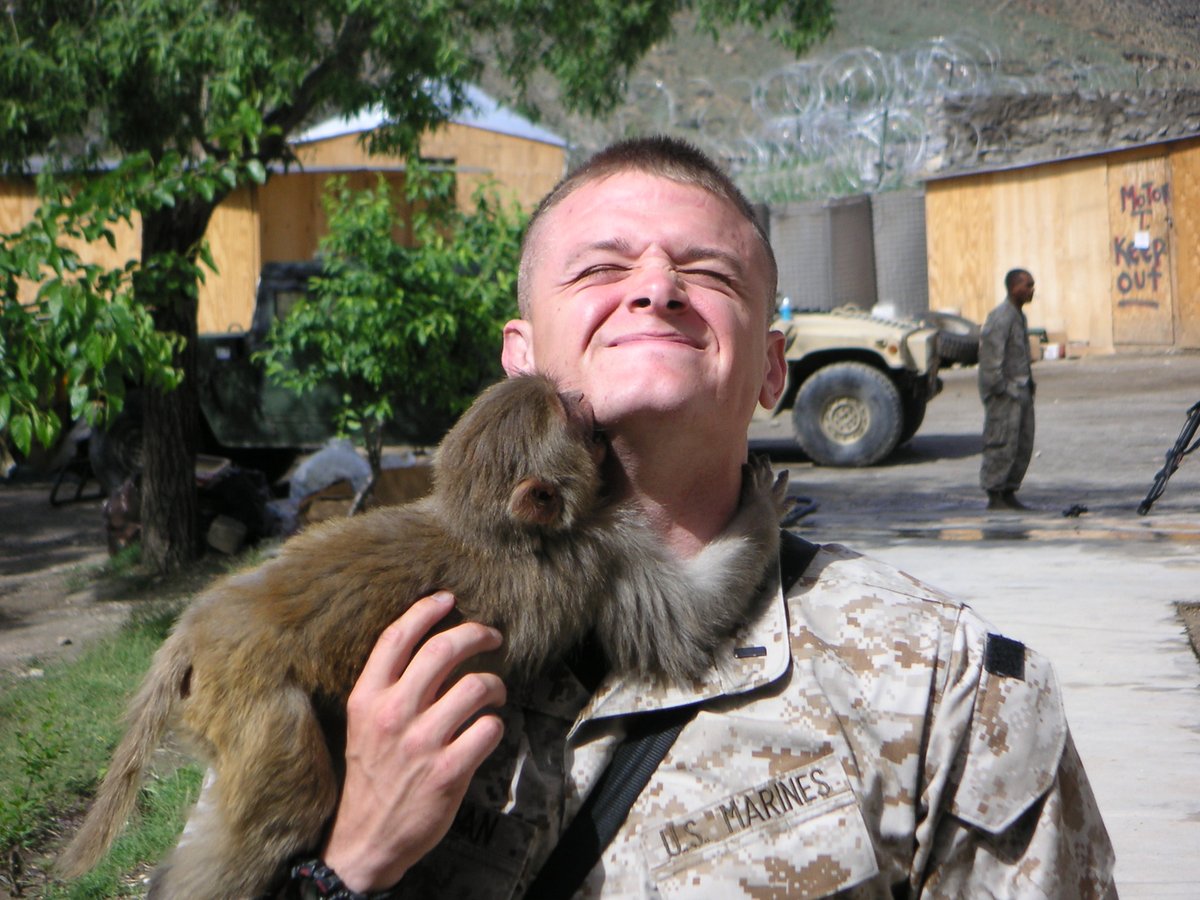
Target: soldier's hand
x,y
407,764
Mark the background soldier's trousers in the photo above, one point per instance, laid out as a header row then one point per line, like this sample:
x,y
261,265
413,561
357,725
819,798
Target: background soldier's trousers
x,y
1007,441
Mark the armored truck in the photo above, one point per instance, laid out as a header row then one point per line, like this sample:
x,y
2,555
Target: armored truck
x,y
857,384
245,417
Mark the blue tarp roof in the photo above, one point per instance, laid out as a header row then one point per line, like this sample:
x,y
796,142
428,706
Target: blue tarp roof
x,y
482,112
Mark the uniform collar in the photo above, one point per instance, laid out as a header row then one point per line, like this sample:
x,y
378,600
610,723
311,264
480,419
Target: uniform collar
x,y
755,656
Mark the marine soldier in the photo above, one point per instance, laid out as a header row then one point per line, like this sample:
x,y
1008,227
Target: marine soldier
x,y
862,735
1006,387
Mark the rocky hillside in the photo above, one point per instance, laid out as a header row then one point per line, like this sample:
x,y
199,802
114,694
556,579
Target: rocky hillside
x,y
865,109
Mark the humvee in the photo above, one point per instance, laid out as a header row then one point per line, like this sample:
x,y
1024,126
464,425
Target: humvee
x,y
857,384
244,416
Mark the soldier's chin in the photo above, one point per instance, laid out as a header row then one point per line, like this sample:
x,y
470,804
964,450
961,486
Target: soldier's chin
x,y
652,396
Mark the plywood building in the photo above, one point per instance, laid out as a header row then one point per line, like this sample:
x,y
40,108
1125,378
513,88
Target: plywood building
x,y
284,219
1112,239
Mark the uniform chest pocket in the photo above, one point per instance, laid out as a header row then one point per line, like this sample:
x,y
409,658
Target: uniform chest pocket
x,y
801,834
481,858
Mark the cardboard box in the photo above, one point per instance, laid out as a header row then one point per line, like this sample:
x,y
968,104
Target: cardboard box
x,y
394,488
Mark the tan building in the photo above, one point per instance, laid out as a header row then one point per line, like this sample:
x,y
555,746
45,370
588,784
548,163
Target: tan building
x,y
284,220
1112,238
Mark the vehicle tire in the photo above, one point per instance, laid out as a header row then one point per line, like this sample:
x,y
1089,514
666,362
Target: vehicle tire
x,y
848,414
958,337
116,452
914,415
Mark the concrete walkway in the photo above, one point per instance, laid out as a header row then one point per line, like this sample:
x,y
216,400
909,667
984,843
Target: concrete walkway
x,y
1097,593
1104,613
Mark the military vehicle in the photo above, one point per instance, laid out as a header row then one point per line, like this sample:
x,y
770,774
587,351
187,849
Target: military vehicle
x,y
857,384
245,417
857,389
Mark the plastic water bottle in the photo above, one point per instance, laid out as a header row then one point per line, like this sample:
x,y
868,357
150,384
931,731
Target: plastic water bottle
x,y
785,309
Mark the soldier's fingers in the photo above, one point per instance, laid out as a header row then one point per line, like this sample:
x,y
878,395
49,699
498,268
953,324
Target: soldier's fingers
x,y
426,674
468,751
465,699
394,649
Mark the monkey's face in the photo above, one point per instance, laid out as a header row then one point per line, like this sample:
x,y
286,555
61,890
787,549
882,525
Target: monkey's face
x,y
524,456
581,419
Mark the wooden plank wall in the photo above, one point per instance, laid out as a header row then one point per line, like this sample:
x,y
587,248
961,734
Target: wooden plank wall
x,y
291,218
526,170
1052,220
1185,246
284,219
960,246
18,200
1139,217
292,211
18,203
227,295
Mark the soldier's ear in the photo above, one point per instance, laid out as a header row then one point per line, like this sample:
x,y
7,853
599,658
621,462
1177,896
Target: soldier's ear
x,y
774,370
517,353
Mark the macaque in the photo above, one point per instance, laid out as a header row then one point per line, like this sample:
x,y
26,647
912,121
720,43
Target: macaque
x,y
518,527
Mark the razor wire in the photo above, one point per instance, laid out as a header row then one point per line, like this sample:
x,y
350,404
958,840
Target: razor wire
x,y
860,120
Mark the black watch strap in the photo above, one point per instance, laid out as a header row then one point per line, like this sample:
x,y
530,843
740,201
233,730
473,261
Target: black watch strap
x,y
317,881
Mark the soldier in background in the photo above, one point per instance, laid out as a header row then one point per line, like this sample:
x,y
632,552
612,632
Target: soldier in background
x,y
863,733
1006,388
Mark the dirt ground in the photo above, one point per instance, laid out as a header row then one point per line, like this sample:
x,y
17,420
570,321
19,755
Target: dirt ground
x,y
1104,425
47,606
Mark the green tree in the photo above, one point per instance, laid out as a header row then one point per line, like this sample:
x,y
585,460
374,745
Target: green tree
x,y
68,352
202,96
402,327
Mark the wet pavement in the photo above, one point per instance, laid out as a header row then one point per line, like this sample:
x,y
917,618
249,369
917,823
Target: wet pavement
x,y
1096,592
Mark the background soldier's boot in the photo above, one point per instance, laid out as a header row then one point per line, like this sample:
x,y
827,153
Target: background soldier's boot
x,y
996,500
1009,499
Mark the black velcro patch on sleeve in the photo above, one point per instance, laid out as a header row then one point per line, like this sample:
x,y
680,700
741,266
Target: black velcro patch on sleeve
x,y
1005,657
749,652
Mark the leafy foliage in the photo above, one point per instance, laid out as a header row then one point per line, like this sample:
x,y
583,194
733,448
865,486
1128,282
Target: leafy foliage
x,y
203,95
399,326
67,353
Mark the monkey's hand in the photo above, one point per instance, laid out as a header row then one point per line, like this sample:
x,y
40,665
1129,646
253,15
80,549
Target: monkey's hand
x,y
407,765
762,490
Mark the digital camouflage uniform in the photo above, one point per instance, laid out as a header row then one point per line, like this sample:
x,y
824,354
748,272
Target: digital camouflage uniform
x,y
1006,388
865,736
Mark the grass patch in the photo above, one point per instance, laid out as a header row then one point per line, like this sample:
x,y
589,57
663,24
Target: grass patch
x,y
122,566
162,811
58,734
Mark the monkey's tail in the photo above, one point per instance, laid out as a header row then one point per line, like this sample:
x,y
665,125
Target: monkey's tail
x,y
148,716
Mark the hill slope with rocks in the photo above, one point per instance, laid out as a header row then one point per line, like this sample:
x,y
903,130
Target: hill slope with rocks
x,y
904,88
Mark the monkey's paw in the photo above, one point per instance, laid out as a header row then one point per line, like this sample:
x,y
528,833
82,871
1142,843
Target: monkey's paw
x,y
761,484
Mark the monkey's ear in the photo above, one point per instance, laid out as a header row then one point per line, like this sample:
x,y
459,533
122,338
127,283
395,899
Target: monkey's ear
x,y
535,502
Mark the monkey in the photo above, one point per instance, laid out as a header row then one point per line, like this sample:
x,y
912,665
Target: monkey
x,y
518,526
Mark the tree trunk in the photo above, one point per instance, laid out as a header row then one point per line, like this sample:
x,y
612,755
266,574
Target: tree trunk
x,y
168,287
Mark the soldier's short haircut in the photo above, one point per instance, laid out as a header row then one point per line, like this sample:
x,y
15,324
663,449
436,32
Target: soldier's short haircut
x,y
662,157
1010,278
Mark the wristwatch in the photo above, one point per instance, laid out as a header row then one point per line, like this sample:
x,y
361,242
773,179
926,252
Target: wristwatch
x,y
317,881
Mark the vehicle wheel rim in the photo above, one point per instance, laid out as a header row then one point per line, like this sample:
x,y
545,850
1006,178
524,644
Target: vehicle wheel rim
x,y
845,420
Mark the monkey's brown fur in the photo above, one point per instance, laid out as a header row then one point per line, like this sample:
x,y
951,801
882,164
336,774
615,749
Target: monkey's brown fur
x,y
517,528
